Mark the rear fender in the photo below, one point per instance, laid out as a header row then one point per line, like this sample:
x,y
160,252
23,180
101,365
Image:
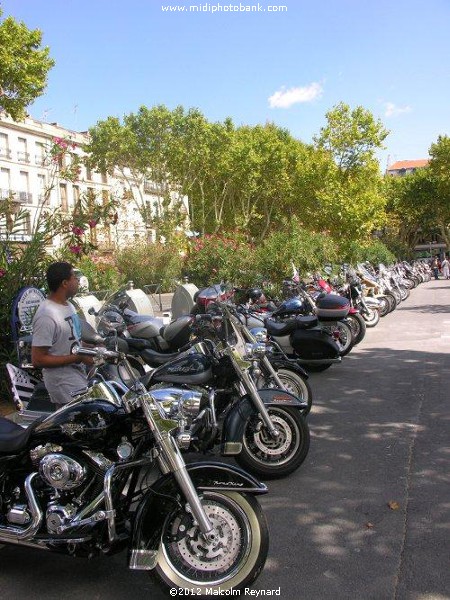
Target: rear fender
x,y
164,496
236,420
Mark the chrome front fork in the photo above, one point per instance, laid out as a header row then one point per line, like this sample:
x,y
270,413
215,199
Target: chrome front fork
x,y
252,390
173,462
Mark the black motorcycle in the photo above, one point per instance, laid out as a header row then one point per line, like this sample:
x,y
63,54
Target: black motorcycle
x,y
76,482
264,429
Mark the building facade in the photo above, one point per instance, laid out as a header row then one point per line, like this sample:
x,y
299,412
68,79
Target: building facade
x,y
404,167
31,181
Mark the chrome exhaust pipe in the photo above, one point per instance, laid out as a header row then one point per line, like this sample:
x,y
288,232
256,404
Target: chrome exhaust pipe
x,y
17,535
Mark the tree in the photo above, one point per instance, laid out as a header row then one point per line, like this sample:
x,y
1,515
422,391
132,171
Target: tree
x,y
440,176
410,207
157,149
350,199
351,136
24,66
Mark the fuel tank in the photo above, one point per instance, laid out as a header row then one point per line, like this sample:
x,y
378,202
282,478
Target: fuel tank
x,y
290,306
190,369
95,423
142,326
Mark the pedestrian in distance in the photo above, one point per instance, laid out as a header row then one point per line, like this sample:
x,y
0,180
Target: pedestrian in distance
x,y
56,330
445,268
435,267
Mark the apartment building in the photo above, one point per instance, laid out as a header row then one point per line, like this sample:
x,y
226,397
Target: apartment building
x,y
26,176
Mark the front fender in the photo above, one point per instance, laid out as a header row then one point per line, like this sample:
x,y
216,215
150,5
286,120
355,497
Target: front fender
x,y
164,496
236,419
284,363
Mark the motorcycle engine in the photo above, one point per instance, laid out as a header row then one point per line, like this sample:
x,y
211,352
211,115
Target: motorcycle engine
x,y
61,472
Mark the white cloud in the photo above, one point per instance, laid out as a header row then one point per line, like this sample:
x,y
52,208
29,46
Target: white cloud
x,y
392,110
284,98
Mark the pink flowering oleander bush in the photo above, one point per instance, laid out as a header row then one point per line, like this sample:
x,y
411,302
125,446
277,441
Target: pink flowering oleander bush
x,y
101,271
218,258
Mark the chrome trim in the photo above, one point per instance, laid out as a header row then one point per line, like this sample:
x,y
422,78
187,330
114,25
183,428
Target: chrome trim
x,y
143,560
16,534
231,448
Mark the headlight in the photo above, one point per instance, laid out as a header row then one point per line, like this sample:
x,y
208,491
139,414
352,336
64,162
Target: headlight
x,y
255,350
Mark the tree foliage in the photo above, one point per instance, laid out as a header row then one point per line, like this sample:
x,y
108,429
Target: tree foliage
x,y
24,66
439,169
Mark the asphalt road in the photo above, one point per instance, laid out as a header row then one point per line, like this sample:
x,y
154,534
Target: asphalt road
x,y
367,516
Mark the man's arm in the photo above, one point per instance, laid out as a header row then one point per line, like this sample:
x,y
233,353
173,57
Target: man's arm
x,y
40,357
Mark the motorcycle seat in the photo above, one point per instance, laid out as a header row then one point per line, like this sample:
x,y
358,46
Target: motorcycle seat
x,y
139,343
285,327
156,359
13,437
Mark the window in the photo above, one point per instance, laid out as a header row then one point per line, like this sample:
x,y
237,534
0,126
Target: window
x,y
39,157
63,196
76,193
43,197
5,152
5,183
88,173
24,195
22,154
105,198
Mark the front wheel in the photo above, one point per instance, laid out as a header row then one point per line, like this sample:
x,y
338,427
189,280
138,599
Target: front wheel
x,y
371,317
270,457
231,561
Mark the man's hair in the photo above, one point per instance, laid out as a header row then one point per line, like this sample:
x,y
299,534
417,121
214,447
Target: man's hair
x,y
57,273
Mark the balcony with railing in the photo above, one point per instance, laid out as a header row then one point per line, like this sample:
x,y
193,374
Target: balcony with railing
x,y
39,160
159,189
5,152
23,157
25,197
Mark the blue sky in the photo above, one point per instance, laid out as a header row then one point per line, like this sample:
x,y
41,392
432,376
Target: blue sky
x,y
289,67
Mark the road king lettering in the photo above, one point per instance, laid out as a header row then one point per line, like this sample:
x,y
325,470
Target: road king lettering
x,y
229,483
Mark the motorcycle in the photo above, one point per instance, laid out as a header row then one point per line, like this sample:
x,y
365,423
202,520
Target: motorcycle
x,y
330,310
313,347
262,428
77,482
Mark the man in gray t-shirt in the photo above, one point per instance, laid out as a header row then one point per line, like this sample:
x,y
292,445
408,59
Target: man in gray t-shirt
x,y
56,329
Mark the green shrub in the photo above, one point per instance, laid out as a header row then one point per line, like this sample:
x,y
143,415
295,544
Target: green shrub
x,y
145,263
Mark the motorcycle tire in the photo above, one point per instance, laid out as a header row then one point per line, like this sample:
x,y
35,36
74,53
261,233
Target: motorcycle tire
x,y
405,292
345,340
372,317
385,306
271,458
293,383
358,327
186,561
392,301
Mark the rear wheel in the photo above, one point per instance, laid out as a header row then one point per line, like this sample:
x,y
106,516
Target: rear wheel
x,y
341,333
270,457
232,561
358,327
